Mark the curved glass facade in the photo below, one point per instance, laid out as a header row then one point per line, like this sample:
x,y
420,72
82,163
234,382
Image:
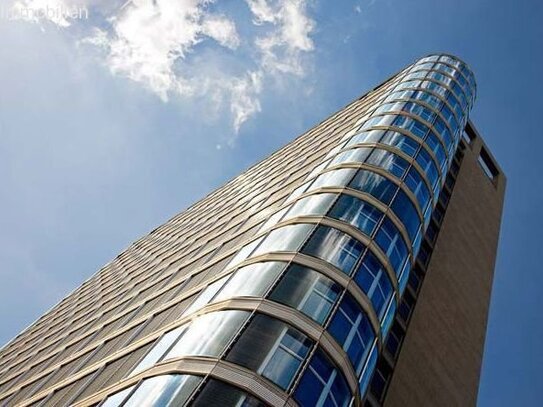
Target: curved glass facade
x,y
358,217
304,305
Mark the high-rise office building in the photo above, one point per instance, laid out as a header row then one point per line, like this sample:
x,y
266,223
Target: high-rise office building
x,y
352,267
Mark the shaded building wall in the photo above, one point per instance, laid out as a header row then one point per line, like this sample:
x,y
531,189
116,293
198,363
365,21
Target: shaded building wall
x,y
440,360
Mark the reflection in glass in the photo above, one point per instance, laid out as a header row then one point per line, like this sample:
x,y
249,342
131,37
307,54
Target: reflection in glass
x,y
286,238
373,279
308,291
322,384
162,391
335,247
251,281
271,348
219,394
352,330
209,334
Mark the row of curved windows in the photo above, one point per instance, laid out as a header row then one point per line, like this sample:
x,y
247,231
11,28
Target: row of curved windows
x,y
278,351
429,84
177,390
440,85
453,61
383,190
392,163
263,344
409,146
414,107
457,83
300,287
415,128
337,247
456,63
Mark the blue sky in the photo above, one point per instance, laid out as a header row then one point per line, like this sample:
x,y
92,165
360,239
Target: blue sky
x,y
110,127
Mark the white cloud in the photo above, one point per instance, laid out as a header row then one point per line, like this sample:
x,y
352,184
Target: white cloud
x,y
222,30
244,100
283,47
262,11
154,43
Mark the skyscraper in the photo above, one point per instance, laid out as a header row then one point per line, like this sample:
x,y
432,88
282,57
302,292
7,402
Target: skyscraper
x,y
351,267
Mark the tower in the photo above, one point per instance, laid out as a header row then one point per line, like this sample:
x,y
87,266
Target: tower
x,y
296,282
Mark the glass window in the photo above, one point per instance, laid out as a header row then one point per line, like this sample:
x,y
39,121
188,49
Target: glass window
x,y
253,280
217,393
271,348
162,391
404,277
205,296
418,129
443,131
401,141
286,238
273,220
368,369
388,161
116,399
417,185
308,291
405,210
384,120
352,330
334,247
375,185
428,166
160,348
373,279
311,205
298,191
436,147
354,155
371,136
208,334
358,213
244,252
389,317
318,169
334,178
322,384
391,242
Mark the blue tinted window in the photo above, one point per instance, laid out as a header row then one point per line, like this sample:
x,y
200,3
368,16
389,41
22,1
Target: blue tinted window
x,y
286,358
322,384
436,147
391,242
356,212
405,210
415,127
443,131
373,279
428,166
389,317
352,330
334,247
374,184
388,161
402,142
418,129
417,185
368,370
